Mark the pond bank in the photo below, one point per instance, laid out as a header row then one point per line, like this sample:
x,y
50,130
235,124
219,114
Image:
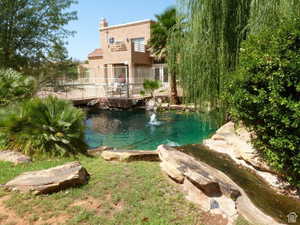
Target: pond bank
x,y
239,191
236,143
261,194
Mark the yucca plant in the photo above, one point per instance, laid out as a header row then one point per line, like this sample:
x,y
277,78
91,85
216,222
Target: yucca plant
x,y
44,127
150,86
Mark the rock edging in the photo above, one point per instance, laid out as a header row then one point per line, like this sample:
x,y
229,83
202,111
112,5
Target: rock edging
x,y
97,151
210,188
236,143
14,157
129,155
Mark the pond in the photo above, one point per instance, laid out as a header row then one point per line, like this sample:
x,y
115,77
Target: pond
x,y
145,131
142,130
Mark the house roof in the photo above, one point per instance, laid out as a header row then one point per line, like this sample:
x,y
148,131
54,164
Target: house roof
x,y
127,24
98,52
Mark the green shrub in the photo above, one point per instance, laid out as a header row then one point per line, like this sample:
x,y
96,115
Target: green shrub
x,y
267,96
44,127
150,86
14,86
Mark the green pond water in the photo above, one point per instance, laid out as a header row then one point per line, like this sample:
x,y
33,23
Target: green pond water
x,y
276,205
134,129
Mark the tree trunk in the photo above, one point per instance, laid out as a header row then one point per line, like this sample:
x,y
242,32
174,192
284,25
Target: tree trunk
x,y
173,93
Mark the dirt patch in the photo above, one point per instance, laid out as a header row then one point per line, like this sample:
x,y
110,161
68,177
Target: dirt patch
x,y
105,207
88,203
118,207
213,219
57,220
8,216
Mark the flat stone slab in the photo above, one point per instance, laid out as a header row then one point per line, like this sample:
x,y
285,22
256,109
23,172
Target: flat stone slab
x,y
50,180
180,165
210,188
130,155
98,151
14,157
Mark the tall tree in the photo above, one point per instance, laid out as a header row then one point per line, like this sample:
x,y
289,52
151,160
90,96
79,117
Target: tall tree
x,y
30,29
160,32
209,49
58,65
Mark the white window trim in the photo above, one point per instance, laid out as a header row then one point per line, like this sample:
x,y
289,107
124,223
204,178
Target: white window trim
x,y
139,44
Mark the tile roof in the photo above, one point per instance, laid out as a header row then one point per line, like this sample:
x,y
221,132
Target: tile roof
x,y
127,24
98,52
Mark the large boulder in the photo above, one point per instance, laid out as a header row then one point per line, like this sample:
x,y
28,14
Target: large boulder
x,y
212,182
129,155
237,144
14,157
50,180
208,187
235,141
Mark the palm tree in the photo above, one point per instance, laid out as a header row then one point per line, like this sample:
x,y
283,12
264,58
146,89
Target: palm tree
x,y
43,127
158,42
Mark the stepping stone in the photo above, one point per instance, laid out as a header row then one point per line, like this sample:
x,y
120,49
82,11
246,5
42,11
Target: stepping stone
x,y
50,180
130,155
14,157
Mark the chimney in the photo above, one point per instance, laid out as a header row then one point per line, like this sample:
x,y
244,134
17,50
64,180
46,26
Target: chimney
x,y
103,23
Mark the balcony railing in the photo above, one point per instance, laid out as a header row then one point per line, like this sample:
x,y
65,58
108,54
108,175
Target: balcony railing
x,y
118,47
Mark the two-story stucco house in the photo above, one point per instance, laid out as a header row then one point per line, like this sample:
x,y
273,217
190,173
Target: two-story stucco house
x,y
123,57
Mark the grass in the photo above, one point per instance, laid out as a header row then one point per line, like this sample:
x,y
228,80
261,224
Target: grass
x,y
117,194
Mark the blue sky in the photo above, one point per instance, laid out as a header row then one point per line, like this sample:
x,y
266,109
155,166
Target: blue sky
x,y
115,11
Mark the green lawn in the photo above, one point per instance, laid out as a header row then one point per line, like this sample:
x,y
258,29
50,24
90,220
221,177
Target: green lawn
x,y
117,194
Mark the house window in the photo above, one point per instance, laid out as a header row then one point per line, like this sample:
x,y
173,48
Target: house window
x,y
139,44
157,74
166,75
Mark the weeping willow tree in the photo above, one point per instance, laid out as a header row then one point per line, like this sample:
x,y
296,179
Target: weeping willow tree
x,y
207,50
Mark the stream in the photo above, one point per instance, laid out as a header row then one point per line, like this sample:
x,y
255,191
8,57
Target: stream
x,y
261,194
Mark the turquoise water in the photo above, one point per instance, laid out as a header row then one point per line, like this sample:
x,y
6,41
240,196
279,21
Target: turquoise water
x,y
132,130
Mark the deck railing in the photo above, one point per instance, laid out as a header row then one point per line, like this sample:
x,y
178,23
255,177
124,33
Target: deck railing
x,y
100,82
77,91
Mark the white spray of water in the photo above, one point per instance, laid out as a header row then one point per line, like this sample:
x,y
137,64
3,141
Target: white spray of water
x,y
153,120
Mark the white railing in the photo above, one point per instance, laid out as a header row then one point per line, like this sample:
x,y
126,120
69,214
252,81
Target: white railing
x,y
88,91
101,82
